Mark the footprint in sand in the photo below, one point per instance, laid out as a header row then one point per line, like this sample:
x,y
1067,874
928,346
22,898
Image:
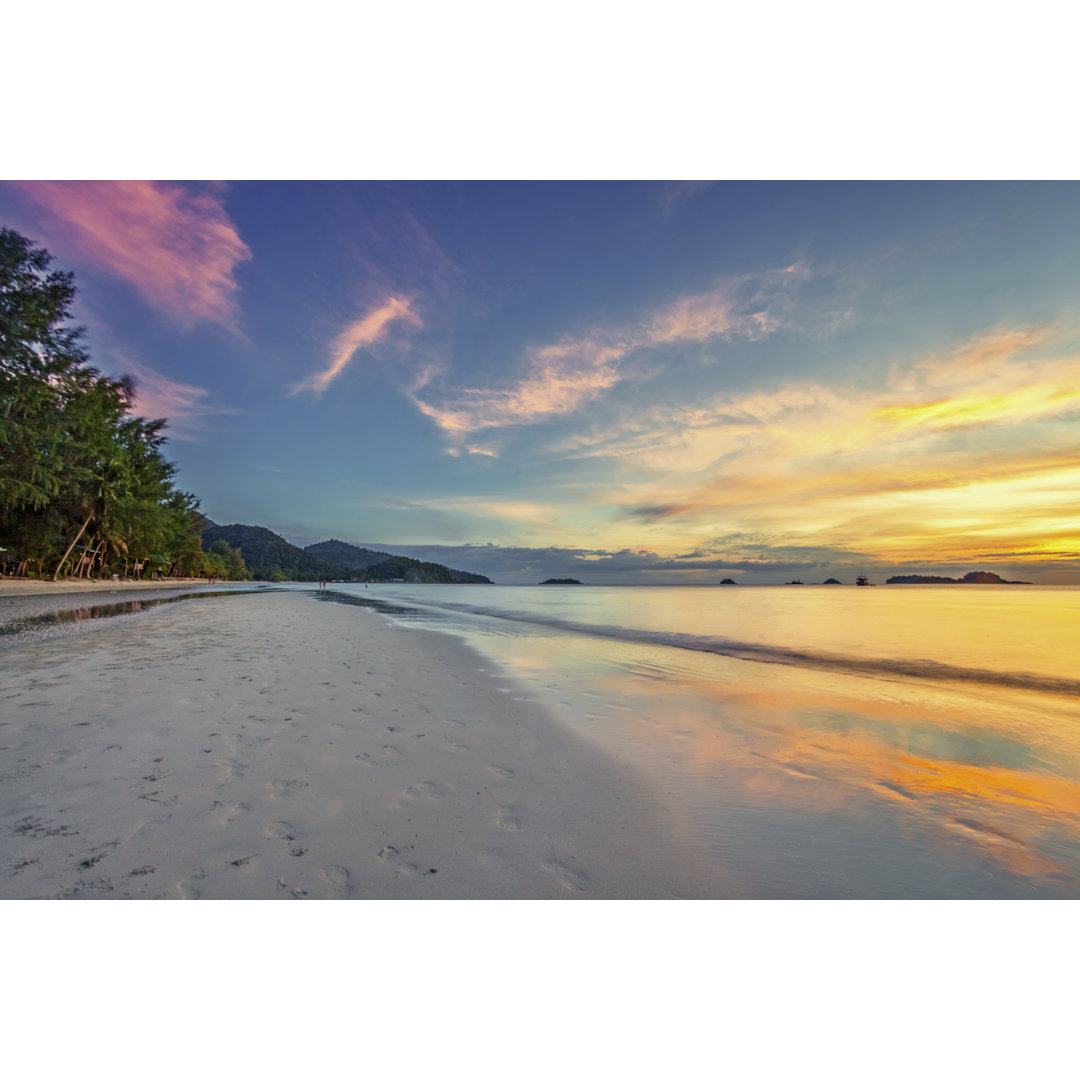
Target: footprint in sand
x,y
225,813
286,787
575,880
281,830
390,855
191,887
337,877
500,770
427,790
505,819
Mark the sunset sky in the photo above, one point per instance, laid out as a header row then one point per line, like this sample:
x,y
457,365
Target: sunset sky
x,y
624,382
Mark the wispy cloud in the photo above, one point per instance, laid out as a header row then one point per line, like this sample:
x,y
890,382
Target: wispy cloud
x,y
562,377
175,245
362,333
186,407
673,195
972,449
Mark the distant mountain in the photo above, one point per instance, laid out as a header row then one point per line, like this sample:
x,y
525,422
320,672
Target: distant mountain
x,y
976,577
561,581
270,557
347,555
364,564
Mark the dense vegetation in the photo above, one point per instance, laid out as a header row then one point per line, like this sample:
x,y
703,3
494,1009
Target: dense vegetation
x,y
346,556
84,486
400,568
270,557
85,489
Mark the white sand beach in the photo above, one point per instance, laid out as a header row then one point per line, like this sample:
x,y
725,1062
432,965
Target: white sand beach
x,y
270,746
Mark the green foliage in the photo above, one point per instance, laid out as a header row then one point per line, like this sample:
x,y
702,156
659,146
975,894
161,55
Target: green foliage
x,y
75,465
266,554
232,560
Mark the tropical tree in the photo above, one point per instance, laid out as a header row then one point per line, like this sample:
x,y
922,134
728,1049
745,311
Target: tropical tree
x,y
83,482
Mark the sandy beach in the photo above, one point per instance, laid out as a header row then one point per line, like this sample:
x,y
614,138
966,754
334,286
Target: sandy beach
x,y
271,746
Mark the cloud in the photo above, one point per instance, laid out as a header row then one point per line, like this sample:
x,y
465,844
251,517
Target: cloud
x,y
528,565
174,244
562,377
673,195
183,405
970,452
360,334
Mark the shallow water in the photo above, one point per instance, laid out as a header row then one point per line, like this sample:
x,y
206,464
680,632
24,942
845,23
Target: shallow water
x,y
38,616
899,741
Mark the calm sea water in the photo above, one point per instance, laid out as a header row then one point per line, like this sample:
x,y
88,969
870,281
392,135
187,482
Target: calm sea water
x,y
904,741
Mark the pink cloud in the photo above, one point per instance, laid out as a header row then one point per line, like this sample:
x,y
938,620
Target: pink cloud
x,y
183,405
175,245
358,335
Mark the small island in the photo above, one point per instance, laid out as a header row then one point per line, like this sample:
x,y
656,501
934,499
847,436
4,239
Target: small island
x,y
561,581
830,581
976,577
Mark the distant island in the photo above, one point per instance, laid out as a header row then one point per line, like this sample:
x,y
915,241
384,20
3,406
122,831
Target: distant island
x,y
561,581
976,577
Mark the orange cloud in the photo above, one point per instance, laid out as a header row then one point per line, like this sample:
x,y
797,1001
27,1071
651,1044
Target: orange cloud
x,y
175,245
877,470
1027,402
358,335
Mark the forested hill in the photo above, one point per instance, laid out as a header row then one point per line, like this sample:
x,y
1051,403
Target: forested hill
x,y
345,555
269,557
367,565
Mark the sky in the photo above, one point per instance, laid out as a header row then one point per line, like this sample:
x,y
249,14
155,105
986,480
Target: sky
x,y
624,382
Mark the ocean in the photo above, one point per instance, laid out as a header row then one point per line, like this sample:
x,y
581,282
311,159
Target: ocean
x,y
897,742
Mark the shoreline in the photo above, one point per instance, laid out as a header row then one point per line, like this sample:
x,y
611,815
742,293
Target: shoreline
x,y
23,587
267,746
29,601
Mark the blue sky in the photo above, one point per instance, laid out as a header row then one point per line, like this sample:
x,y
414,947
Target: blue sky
x,y
627,382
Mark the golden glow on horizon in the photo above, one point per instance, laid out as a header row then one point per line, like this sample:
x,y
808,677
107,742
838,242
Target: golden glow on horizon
x,y
988,468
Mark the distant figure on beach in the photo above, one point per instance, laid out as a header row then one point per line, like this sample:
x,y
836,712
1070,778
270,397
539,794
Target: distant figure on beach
x,y
322,586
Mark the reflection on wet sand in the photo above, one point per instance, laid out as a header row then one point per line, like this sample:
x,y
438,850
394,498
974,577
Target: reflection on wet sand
x,y
977,793
88,612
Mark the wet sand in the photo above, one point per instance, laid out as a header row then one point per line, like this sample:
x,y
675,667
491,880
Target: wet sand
x,y
272,746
